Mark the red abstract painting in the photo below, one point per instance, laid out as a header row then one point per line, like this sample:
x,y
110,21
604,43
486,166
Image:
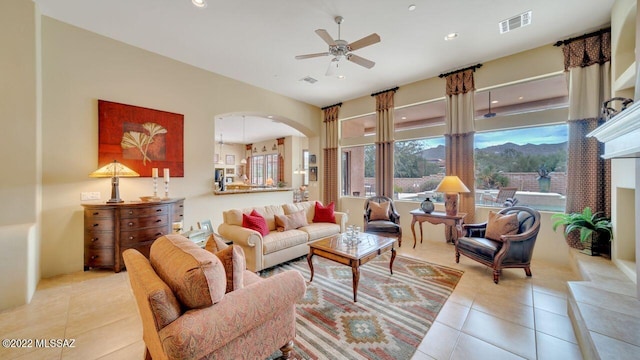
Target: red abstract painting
x,y
140,138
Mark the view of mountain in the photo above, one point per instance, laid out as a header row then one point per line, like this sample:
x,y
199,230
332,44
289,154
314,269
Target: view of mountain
x,y
438,152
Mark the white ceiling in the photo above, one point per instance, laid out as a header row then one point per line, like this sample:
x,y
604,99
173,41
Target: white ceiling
x,y
255,41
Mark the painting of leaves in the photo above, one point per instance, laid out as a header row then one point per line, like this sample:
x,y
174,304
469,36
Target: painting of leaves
x,y
140,138
140,141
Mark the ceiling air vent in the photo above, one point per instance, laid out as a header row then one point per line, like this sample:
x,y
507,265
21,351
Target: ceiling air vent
x,y
515,22
309,79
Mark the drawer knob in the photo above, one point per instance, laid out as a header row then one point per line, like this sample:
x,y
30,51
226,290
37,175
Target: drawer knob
x,y
130,224
95,239
159,220
96,225
94,257
96,213
130,212
131,237
159,234
158,210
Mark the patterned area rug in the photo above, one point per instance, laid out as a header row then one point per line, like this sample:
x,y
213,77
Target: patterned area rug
x,y
390,319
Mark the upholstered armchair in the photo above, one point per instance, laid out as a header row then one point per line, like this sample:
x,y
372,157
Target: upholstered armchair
x,y
506,240
197,305
381,218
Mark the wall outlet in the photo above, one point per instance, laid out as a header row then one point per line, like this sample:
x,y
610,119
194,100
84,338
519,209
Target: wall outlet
x,y
93,195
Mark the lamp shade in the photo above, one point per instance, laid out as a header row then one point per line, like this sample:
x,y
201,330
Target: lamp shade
x,y
114,169
451,184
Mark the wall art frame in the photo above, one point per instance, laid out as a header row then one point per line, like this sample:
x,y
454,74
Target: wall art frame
x,y
140,138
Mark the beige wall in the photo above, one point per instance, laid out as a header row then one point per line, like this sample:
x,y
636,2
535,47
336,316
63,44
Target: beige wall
x,y
19,152
80,67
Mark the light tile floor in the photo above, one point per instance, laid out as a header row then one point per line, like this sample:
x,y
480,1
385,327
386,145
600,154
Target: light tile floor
x,y
519,318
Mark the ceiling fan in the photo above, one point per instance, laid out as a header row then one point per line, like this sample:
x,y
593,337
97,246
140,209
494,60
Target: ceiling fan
x,y
340,49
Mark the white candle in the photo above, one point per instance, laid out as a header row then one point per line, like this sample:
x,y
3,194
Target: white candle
x,y
166,175
154,172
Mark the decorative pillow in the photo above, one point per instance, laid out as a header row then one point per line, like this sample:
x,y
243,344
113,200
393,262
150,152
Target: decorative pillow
x,y
500,224
379,211
291,221
324,213
255,221
232,258
196,276
215,243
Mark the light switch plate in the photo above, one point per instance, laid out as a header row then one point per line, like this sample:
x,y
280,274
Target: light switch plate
x,y
92,195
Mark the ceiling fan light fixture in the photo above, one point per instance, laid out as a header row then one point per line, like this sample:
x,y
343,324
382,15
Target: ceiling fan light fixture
x,y
412,7
199,3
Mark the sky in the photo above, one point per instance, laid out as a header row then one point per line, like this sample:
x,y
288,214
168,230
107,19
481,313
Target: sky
x,y
551,134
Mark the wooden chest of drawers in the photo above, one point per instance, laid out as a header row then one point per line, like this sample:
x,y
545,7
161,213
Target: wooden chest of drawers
x,y
110,229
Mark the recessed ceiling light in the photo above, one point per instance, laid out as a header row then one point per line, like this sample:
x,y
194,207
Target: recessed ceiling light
x,y
494,102
199,3
412,7
521,97
340,77
270,116
404,118
451,36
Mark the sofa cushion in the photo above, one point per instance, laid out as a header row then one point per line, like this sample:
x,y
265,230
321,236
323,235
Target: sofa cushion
x,y
485,248
215,243
320,230
268,213
499,224
255,221
291,221
379,211
324,213
309,208
232,258
196,276
232,217
276,241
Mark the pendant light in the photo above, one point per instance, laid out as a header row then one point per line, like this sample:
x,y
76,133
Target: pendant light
x,y
489,114
243,161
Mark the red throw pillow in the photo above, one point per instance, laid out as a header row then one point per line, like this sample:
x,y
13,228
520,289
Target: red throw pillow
x,y
324,213
255,221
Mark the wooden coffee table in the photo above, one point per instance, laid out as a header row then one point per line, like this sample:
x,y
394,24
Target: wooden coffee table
x,y
369,247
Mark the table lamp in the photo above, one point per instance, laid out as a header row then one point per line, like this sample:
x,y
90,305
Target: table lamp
x,y
451,186
114,170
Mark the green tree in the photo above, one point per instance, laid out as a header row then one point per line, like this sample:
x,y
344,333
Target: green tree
x,y
369,160
406,159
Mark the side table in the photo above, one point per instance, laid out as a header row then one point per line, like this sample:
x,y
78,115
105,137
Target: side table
x,y
435,218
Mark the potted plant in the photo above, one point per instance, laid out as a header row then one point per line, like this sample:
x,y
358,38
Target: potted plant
x,y
594,228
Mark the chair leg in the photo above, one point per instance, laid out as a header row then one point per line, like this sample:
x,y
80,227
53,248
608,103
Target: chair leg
x,y
457,257
400,240
496,275
147,354
527,271
286,350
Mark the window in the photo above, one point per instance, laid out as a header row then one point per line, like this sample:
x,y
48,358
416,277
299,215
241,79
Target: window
x,y
534,160
358,126
418,165
541,94
305,167
358,170
264,167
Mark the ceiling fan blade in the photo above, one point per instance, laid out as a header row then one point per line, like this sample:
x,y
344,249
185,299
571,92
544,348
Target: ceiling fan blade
x,y
360,61
326,37
365,41
308,56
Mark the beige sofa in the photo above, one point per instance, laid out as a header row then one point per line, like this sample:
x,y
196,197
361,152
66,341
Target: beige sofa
x,y
277,247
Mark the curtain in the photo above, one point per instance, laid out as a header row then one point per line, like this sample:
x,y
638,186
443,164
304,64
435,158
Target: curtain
x,y
330,175
384,143
459,136
587,60
280,159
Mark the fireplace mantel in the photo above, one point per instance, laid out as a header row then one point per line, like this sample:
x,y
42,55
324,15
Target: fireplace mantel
x,y
621,134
